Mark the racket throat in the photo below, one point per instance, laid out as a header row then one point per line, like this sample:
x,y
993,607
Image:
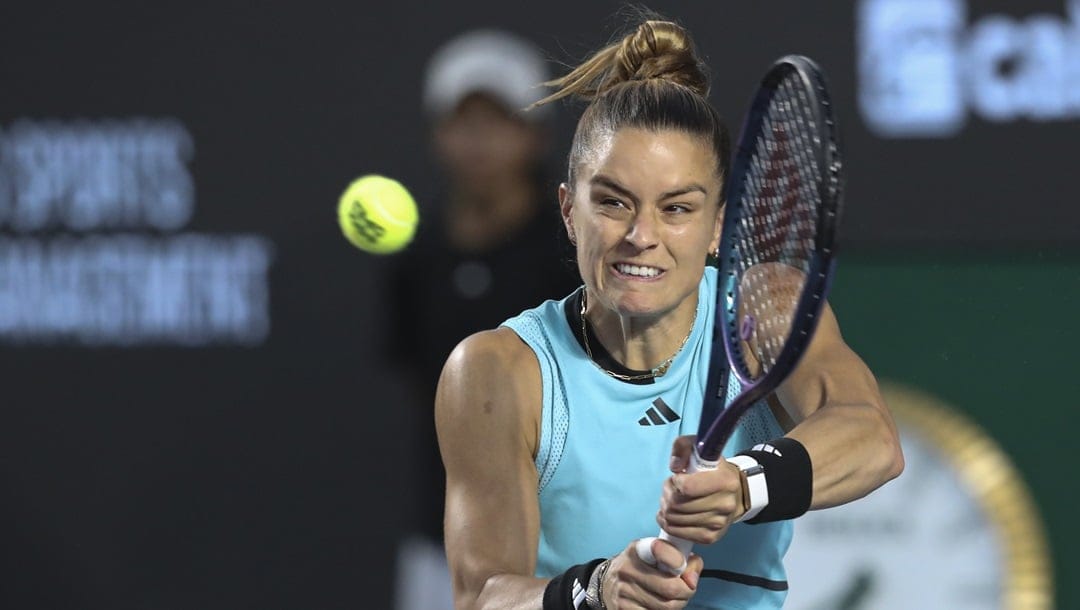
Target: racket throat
x,y
710,444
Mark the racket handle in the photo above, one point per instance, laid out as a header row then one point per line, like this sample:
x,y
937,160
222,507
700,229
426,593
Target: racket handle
x,y
644,545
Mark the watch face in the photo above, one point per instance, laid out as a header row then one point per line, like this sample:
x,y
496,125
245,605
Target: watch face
x,y
956,530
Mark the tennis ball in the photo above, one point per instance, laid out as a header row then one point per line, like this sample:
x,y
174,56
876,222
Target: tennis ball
x,y
377,214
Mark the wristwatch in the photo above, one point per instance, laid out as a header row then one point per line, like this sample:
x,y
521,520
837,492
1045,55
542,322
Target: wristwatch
x,y
756,492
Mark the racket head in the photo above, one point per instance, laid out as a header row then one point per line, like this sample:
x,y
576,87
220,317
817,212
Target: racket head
x,y
777,248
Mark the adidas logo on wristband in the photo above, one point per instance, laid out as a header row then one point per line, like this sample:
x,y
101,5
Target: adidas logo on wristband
x,y
579,594
767,448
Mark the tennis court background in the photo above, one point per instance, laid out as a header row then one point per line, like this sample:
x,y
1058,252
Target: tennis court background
x,y
263,471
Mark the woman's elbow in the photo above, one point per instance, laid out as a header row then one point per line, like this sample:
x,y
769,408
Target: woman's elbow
x,y
892,453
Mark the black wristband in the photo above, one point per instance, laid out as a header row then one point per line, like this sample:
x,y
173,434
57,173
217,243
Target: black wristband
x,y
789,477
567,590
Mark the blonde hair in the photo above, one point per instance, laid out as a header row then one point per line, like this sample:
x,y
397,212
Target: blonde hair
x,y
651,79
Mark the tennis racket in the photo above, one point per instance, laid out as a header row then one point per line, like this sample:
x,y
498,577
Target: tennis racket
x,y
777,251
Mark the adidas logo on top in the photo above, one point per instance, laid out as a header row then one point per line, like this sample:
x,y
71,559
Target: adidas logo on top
x,y
658,414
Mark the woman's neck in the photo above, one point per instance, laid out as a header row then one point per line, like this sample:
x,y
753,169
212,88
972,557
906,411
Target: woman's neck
x,y
642,342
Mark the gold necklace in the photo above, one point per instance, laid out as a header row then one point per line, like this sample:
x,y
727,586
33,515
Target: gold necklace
x,y
657,371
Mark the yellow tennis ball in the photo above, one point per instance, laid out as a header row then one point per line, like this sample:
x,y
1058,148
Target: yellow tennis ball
x,y
377,214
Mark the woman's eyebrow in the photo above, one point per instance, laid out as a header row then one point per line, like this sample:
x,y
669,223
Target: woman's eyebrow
x,y
603,180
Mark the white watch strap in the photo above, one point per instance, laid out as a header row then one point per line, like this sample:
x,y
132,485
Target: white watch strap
x,y
755,484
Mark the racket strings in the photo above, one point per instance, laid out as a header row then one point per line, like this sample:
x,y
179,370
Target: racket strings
x,y
776,232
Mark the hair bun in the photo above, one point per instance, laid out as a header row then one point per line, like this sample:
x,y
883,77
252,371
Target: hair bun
x,y
655,50
663,50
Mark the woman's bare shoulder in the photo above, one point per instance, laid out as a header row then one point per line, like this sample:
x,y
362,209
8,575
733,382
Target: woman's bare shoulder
x,y
491,380
501,348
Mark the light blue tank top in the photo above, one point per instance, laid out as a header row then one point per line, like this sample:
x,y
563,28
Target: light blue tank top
x,y
603,458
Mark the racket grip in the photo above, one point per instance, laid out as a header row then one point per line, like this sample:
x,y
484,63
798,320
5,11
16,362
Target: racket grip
x,y
644,545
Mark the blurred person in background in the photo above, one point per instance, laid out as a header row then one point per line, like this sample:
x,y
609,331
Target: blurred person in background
x,y
489,248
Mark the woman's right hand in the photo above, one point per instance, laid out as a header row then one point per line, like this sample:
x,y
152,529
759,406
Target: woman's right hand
x,y
631,583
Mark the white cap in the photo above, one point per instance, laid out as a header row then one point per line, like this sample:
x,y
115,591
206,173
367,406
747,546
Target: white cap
x,y
493,62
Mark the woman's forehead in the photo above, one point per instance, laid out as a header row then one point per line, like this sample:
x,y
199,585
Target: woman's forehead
x,y
656,154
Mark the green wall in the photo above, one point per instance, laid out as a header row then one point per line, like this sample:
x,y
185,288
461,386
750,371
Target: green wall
x,y
995,336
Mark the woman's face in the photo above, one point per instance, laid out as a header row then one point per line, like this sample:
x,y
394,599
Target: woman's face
x,y
644,212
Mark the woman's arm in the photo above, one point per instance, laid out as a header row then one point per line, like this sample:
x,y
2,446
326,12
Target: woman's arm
x,y
841,419
831,405
487,413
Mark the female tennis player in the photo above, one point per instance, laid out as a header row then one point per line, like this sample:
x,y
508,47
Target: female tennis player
x,y
552,426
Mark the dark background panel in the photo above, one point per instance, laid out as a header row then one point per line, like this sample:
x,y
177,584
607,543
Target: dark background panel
x,y
291,102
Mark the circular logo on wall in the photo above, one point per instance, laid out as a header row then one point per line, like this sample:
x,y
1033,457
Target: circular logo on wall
x,y
958,529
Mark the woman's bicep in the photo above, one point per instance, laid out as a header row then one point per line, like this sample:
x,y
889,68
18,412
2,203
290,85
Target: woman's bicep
x,y
486,406
842,420
829,371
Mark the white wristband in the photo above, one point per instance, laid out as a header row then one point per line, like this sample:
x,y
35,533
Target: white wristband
x,y
755,484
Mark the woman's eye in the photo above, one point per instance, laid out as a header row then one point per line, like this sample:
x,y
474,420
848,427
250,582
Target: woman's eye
x,y
678,208
611,201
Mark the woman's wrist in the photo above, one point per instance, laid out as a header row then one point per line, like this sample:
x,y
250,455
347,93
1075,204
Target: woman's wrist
x,y
785,485
567,590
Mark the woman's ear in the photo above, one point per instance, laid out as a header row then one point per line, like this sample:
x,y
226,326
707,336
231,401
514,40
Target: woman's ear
x,y
718,226
566,206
